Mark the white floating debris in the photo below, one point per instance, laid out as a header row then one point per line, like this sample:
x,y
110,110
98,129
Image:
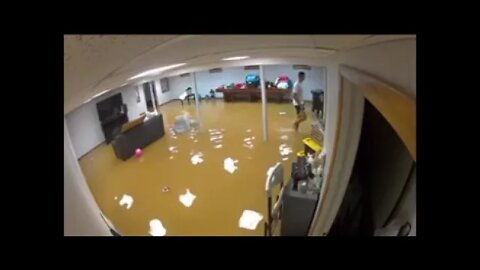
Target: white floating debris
x,y
116,198
197,158
284,137
282,113
173,149
285,158
171,157
249,219
126,200
195,141
285,150
218,146
229,165
187,198
156,228
249,130
215,133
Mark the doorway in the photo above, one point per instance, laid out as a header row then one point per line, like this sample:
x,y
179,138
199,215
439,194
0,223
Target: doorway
x,y
398,109
382,170
148,89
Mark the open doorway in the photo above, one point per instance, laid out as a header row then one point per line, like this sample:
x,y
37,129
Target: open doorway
x,y
150,101
382,170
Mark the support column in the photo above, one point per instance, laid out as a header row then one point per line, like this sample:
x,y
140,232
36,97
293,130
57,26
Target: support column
x,y
264,105
197,100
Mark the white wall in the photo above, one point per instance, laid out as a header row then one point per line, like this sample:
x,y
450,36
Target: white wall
x,y
178,85
161,97
81,213
83,123
392,61
129,96
84,128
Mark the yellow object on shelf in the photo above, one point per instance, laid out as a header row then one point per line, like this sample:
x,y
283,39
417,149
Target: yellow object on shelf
x,y
311,145
301,153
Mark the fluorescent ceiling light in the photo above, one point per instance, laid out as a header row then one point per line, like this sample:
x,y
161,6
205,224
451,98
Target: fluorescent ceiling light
x,y
101,93
156,71
235,58
97,95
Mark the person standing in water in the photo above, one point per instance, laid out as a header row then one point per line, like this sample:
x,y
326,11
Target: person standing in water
x,y
297,100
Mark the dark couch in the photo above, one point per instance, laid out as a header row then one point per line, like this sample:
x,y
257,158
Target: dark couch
x,y
139,136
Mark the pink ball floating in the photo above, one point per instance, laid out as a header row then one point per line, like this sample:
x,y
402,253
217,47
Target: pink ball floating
x,y
138,153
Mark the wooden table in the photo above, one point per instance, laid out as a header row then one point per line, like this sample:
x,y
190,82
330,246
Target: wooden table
x,y
255,94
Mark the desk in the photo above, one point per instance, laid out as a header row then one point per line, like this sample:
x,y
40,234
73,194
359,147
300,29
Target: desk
x,y
255,94
297,210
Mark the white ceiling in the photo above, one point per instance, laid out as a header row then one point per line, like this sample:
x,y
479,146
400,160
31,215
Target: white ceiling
x,y
94,63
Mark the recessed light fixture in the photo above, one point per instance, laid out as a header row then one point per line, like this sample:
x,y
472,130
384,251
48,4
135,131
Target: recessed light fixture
x,y
235,58
155,71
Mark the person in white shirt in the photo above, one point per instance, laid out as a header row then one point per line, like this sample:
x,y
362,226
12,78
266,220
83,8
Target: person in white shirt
x,y
189,95
297,100
186,96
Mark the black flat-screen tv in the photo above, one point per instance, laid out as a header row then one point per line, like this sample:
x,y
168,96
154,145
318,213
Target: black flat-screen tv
x,y
109,107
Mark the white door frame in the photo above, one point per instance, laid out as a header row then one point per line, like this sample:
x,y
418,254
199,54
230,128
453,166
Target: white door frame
x,y
347,137
398,108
